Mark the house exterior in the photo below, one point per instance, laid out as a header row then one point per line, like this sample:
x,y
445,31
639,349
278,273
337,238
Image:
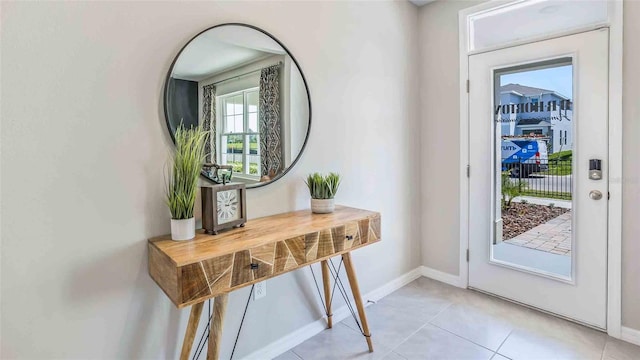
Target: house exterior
x,y
525,111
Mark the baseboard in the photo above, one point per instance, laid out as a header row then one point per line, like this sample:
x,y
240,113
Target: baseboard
x,y
630,335
442,276
293,339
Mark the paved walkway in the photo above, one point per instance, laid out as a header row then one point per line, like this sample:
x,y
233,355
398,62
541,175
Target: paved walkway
x,y
554,236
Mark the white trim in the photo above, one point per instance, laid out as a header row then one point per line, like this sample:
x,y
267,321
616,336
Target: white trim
x,y
464,141
614,251
294,338
630,335
614,248
442,277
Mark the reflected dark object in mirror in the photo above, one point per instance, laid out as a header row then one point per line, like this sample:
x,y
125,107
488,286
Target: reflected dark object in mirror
x,y
212,172
243,86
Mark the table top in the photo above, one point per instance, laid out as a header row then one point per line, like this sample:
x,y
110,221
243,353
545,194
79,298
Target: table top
x,y
256,232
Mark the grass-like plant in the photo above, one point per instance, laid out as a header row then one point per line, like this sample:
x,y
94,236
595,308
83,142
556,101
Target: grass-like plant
x,y
182,176
323,187
510,189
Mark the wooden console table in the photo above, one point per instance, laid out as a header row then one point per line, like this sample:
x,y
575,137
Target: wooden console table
x,y
211,266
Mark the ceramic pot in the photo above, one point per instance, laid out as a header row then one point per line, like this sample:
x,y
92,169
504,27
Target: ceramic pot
x,y
183,229
323,206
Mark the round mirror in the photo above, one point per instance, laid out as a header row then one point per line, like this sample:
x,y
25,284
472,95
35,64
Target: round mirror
x,y
247,90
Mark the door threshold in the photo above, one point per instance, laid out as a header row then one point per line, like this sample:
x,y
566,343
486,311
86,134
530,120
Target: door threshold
x,y
539,309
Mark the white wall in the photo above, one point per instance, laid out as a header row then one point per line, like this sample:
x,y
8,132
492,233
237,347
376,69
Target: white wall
x,y
439,108
84,144
439,87
631,168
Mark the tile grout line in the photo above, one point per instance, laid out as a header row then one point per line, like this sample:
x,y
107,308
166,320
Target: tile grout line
x,y
503,341
397,355
296,354
420,328
606,341
463,338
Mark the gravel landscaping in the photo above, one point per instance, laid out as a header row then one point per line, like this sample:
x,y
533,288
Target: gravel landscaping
x,y
520,218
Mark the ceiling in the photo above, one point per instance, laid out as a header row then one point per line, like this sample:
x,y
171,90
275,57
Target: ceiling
x,y
421,2
221,49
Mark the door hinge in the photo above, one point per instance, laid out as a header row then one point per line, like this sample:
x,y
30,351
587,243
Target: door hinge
x,y
608,195
468,85
468,170
467,255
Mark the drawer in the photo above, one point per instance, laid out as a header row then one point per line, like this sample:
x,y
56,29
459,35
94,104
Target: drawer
x,y
206,277
218,275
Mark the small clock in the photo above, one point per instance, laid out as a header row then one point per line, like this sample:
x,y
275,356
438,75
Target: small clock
x,y
223,207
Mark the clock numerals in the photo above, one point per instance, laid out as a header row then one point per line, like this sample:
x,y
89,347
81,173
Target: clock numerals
x,y
227,206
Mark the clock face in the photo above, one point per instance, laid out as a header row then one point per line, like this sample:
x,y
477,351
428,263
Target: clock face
x,y
228,206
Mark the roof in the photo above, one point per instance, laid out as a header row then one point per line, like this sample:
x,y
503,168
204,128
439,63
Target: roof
x,y
534,121
527,90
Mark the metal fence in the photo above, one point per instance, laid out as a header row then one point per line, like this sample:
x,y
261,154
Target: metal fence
x,y
550,179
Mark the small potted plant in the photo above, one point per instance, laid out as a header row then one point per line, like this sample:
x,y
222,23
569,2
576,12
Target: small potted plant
x,y
322,190
182,180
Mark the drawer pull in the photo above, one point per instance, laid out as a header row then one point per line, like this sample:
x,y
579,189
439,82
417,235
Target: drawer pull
x,y
254,266
349,237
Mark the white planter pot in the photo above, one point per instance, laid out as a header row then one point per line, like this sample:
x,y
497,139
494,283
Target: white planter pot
x,y
183,229
323,206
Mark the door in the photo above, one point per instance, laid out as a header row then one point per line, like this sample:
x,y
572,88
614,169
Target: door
x,y
538,174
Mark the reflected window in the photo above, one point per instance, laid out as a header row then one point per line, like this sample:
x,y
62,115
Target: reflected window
x,y
240,137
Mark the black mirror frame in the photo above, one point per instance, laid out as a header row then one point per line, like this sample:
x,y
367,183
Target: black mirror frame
x,y
304,80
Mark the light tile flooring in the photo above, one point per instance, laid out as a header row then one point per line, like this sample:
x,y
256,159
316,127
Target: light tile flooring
x,y
554,236
431,320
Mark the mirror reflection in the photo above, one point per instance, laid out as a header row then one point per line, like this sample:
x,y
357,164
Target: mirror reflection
x,y
246,89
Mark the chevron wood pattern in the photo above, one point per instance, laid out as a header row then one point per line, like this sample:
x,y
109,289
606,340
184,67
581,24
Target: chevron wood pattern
x,y
211,266
192,271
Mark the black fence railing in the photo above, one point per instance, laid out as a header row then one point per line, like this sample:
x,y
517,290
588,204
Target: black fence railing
x,y
543,178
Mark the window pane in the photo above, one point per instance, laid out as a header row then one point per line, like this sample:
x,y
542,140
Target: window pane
x,y
253,122
533,174
233,148
254,164
234,144
239,123
238,104
229,124
252,101
229,107
253,144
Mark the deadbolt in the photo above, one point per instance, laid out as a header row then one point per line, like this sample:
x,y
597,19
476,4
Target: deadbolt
x,y
595,195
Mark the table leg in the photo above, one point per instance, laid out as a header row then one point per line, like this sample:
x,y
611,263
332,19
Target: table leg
x,y
190,334
326,280
355,289
219,308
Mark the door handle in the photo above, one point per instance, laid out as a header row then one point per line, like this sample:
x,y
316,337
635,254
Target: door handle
x,y
595,195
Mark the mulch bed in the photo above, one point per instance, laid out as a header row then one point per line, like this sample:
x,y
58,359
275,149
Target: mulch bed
x,y
520,218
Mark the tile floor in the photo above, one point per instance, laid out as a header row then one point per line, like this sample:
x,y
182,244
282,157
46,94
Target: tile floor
x,y
554,236
427,319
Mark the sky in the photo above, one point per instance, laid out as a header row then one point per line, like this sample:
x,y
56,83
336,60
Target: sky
x,y
558,79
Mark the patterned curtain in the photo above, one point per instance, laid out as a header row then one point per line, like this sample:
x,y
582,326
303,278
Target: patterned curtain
x,y
270,125
209,121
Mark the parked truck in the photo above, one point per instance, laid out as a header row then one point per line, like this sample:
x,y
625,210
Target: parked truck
x,y
524,156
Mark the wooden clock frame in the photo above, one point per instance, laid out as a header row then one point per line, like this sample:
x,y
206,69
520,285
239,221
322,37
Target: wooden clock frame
x,y
210,207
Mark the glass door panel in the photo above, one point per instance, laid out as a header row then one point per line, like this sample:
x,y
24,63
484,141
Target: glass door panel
x,y
534,127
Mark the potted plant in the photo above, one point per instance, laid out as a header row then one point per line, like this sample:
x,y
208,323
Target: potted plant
x,y
322,190
182,180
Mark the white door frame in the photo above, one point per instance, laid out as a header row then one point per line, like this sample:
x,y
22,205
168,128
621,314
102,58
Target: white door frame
x,y
614,222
